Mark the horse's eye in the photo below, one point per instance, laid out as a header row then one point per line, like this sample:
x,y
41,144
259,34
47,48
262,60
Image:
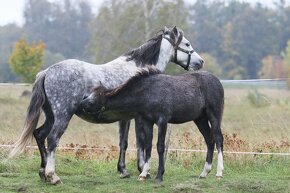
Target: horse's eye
x,y
187,44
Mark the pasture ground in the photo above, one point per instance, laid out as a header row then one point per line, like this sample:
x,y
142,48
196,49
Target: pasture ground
x,y
246,127
256,174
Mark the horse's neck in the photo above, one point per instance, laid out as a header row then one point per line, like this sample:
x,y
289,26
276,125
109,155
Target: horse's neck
x,y
165,53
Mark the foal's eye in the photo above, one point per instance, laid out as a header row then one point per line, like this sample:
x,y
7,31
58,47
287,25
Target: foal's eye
x,y
187,44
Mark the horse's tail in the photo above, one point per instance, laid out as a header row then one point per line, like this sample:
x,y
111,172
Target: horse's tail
x,y
33,112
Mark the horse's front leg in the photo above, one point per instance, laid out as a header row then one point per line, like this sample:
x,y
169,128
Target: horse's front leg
x,y
123,144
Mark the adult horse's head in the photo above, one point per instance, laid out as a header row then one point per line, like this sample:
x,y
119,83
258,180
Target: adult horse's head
x,y
182,53
169,45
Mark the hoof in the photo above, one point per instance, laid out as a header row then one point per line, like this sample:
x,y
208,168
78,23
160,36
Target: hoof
x,y
124,175
219,177
158,181
54,179
148,177
142,178
42,174
202,176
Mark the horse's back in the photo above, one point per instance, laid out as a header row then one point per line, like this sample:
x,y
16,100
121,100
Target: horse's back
x,y
67,82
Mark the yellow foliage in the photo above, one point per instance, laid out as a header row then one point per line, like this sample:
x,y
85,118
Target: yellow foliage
x,y
26,60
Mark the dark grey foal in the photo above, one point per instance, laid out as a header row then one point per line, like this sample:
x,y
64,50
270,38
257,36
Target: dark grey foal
x,y
153,98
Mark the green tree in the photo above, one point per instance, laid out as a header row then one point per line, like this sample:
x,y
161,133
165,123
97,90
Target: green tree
x,y
286,59
26,60
115,30
62,25
9,34
211,64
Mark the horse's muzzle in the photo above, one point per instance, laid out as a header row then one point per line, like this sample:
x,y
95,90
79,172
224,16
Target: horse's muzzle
x,y
198,65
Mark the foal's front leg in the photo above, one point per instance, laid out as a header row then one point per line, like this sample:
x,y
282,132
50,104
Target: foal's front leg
x,y
162,128
123,144
144,132
140,143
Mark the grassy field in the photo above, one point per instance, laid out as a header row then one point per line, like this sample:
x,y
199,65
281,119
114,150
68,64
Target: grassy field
x,y
246,127
259,174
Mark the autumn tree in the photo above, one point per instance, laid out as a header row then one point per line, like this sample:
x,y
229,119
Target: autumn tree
x,y
272,67
26,60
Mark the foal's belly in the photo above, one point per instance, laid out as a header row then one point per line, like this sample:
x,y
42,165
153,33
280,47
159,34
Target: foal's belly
x,y
104,117
179,117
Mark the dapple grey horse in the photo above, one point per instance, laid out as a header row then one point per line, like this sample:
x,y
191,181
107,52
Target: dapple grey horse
x,y
59,89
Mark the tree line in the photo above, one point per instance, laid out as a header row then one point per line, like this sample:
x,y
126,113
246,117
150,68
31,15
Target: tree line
x,y
238,40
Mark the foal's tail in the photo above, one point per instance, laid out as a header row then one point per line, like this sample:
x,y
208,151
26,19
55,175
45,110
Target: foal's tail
x,y
33,112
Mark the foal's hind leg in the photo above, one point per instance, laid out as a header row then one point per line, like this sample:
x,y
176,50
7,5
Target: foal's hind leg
x,y
59,126
123,143
203,126
215,123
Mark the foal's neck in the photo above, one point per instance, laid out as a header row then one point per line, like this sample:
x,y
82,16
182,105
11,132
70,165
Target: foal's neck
x,y
124,102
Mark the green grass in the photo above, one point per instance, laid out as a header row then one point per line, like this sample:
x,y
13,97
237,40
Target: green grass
x,y
259,174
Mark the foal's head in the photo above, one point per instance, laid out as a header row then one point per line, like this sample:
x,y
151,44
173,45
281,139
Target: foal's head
x,y
95,102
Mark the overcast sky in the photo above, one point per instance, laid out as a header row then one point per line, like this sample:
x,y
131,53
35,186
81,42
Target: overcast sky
x,y
12,10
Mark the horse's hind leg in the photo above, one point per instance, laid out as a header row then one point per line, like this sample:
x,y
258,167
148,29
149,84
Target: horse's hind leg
x,y
59,126
203,126
215,123
40,135
123,143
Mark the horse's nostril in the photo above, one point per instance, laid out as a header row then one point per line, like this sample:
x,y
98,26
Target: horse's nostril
x,y
85,97
201,63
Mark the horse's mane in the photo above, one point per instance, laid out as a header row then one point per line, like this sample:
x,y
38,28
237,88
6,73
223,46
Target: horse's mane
x,y
145,72
146,54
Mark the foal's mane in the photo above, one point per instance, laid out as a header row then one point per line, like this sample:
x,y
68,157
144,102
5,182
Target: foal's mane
x,y
148,53
145,72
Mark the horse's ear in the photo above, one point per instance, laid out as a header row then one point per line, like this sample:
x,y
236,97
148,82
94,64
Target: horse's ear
x,y
165,29
175,30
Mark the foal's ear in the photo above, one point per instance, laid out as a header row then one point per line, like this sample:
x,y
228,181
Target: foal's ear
x,y
175,30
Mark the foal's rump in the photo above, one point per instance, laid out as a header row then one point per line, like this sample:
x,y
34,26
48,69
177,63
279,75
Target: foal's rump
x,y
212,90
